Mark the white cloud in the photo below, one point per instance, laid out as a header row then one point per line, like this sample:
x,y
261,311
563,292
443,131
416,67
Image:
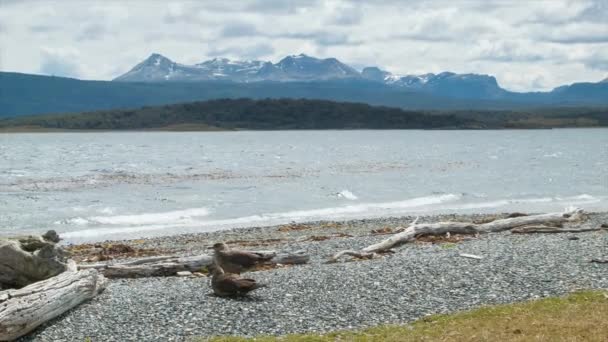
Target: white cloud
x,y
60,62
527,45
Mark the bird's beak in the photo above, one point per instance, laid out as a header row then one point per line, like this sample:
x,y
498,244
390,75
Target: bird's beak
x,y
210,247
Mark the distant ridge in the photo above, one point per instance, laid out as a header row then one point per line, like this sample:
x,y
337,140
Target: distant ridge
x,y
303,68
158,68
300,114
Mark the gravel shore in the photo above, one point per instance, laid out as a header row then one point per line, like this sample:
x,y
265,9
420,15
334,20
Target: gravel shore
x,y
419,279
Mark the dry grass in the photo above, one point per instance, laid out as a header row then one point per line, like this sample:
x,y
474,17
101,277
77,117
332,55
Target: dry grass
x,y
578,317
108,251
382,231
303,226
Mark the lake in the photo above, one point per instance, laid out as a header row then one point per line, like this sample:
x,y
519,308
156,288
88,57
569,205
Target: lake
x,y
97,186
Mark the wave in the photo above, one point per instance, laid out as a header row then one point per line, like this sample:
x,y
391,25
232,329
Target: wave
x,y
344,212
190,220
168,217
347,195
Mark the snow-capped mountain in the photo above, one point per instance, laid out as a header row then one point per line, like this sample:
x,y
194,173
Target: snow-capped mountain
x,y
453,85
158,68
303,67
223,68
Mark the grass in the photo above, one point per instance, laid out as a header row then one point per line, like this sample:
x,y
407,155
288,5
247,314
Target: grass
x,y
581,316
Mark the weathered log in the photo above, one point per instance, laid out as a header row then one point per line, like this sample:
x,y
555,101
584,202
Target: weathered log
x,y
22,310
550,230
161,266
568,215
168,267
28,259
416,229
296,258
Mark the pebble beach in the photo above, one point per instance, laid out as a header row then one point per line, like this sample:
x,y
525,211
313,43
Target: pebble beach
x,y
419,279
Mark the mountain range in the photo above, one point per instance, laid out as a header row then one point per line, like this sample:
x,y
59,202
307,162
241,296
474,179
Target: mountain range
x,y
304,68
158,80
298,68
158,68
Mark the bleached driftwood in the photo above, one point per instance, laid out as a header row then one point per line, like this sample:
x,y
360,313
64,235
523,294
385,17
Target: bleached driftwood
x,y
296,258
416,229
22,310
166,267
161,266
549,230
27,259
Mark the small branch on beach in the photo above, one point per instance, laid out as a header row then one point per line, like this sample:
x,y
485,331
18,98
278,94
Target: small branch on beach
x,y
470,256
162,266
22,310
415,230
600,261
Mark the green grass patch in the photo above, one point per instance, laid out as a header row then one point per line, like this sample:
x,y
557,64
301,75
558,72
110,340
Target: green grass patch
x,y
581,316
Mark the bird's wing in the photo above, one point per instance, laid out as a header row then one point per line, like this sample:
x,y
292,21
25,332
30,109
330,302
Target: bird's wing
x,y
245,284
228,284
245,258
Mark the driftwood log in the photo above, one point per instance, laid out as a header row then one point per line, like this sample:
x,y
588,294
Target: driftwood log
x,y
161,266
552,230
22,310
27,259
416,229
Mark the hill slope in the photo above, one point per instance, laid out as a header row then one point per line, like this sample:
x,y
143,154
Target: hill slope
x,y
24,94
274,114
247,114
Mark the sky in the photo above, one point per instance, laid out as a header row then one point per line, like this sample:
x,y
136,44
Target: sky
x,y
527,44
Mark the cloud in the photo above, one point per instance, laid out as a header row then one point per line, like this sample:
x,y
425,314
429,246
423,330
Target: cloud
x,y
346,16
255,51
92,32
596,11
527,45
59,62
43,28
507,51
239,30
280,6
597,61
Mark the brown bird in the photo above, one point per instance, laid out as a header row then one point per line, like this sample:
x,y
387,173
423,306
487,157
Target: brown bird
x,y
228,285
236,261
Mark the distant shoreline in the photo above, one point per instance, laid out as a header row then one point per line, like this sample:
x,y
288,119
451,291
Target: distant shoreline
x,y
18,130
300,114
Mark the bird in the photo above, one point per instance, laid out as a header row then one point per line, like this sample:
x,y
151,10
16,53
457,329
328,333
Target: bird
x,y
231,285
236,261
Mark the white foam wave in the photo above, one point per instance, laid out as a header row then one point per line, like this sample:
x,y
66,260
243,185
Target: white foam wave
x,y
106,210
152,218
344,212
348,195
169,217
79,221
190,220
561,201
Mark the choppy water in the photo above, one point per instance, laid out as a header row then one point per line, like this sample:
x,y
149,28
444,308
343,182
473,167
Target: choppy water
x,y
96,186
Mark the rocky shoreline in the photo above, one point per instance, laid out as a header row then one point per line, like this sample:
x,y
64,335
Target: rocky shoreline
x,y
421,278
